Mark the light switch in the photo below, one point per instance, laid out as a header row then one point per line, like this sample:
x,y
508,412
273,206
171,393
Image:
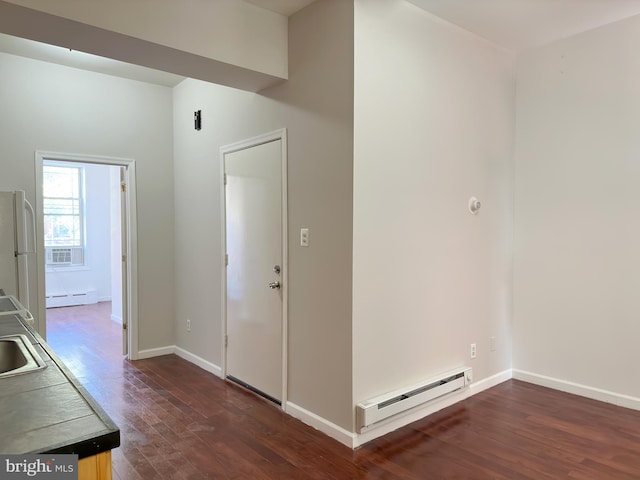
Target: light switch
x,y
304,237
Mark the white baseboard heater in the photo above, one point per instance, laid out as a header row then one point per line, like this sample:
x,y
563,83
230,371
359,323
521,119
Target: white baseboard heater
x,y
66,299
392,403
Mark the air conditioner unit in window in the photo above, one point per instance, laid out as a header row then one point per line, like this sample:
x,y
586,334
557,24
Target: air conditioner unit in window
x,y
65,256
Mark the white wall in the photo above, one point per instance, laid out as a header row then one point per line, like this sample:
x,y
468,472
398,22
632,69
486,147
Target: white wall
x,y
434,116
576,302
61,109
316,106
96,272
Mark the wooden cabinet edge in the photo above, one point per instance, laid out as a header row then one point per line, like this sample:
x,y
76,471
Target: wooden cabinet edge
x,y
96,467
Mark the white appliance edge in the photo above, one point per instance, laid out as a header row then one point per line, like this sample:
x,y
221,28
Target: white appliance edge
x,y
15,232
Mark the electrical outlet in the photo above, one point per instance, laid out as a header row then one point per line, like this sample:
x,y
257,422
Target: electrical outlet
x,y
472,350
188,325
492,343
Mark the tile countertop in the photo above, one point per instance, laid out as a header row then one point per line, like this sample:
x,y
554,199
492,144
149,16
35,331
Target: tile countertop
x,y
49,411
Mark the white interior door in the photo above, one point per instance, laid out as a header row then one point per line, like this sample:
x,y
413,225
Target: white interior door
x,y
254,271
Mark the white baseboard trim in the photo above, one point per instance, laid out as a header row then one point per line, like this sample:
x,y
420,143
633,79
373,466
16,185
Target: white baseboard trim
x,y
594,393
182,353
104,299
199,361
325,426
116,318
489,382
156,352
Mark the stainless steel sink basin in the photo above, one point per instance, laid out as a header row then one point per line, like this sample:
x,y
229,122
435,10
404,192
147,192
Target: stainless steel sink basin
x,y
18,356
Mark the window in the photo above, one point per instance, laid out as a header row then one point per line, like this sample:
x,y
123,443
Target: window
x,y
63,207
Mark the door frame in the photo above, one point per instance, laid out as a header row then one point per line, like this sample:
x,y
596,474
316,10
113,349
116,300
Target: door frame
x,y
281,135
131,238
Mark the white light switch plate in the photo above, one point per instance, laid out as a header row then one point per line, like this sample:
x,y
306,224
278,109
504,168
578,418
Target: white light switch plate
x,y
304,237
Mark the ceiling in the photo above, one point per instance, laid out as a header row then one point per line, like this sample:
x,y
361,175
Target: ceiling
x,y
283,7
519,24
512,24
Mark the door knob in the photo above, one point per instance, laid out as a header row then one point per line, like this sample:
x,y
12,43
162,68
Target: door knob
x,y
274,285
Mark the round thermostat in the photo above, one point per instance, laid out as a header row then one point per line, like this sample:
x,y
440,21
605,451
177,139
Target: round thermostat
x,y
474,205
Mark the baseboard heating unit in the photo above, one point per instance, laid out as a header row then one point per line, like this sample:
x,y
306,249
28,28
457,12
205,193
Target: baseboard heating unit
x,y
393,403
71,299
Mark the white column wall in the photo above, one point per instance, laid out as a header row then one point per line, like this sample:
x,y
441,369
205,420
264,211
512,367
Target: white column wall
x,y
434,116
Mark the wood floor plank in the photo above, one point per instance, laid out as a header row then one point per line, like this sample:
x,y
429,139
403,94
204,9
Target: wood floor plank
x,y
179,422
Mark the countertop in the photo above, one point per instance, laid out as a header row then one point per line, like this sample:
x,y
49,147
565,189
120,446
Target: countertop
x,y
49,411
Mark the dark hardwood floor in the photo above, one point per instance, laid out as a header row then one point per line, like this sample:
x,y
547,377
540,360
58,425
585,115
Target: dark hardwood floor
x,y
180,422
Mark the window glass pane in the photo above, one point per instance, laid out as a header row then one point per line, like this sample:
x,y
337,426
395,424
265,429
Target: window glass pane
x,y
62,230
61,182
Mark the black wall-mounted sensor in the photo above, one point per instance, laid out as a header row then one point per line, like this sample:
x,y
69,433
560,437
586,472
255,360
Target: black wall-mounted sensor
x,y
197,120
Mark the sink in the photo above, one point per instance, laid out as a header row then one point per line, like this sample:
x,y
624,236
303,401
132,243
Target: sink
x,y
18,356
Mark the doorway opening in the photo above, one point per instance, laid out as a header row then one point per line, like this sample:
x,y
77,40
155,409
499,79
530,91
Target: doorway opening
x,y
85,207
